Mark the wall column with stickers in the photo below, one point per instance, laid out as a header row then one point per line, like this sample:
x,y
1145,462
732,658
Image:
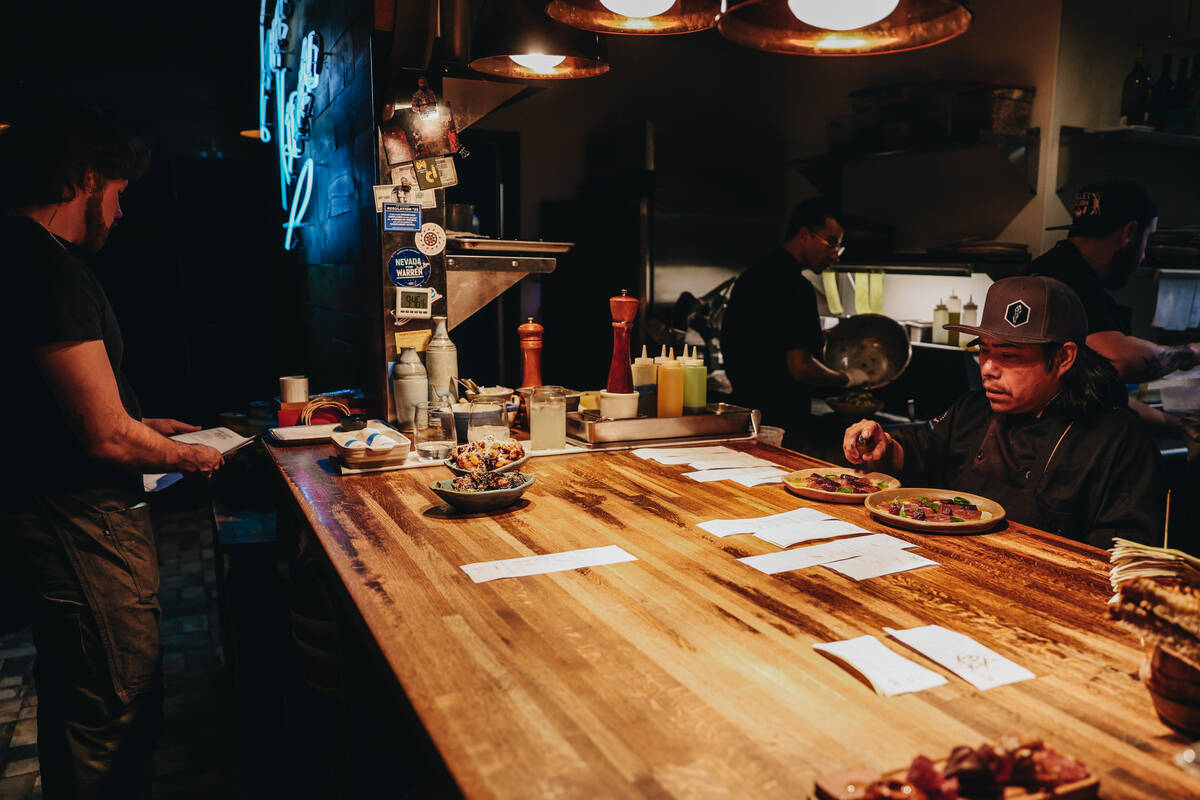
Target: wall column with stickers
x,y
417,140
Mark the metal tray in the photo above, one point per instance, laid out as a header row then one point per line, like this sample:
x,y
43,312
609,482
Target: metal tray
x,y
718,419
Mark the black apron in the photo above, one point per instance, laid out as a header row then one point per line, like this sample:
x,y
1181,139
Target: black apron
x,y
990,474
110,543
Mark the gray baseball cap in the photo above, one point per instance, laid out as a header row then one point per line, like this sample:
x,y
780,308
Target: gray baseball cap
x,y
1030,310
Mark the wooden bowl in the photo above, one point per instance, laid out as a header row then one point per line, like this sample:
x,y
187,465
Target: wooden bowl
x,y
845,409
1174,688
875,502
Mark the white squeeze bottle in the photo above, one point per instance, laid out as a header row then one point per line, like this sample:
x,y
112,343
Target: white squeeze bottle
x,y
941,316
970,316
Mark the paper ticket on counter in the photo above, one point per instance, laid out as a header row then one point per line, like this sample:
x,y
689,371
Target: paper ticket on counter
x,y
884,561
817,554
887,672
729,527
482,571
968,659
747,476
681,455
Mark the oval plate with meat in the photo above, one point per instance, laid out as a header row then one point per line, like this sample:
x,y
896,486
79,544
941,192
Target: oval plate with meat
x,y
935,510
837,484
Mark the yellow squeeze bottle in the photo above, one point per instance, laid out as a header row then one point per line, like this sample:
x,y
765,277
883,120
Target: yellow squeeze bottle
x,y
670,387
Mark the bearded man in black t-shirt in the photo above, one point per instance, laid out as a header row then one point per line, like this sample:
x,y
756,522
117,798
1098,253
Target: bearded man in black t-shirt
x,y
77,554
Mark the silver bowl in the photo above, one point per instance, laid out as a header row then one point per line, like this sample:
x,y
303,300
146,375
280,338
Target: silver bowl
x,y
872,343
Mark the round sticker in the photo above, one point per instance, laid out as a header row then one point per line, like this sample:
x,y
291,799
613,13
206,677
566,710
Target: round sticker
x,y
431,239
408,267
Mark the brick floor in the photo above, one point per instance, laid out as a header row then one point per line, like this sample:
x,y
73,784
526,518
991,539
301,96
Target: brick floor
x,y
195,756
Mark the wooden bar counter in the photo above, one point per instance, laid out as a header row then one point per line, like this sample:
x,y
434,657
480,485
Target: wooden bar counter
x,y
688,674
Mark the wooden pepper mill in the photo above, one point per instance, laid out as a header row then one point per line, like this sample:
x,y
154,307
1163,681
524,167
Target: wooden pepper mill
x,y
531,353
624,310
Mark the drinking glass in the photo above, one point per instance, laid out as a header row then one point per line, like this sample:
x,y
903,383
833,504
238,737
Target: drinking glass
x,y
433,430
486,418
548,418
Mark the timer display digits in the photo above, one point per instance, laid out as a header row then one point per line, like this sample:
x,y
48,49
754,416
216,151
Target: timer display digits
x,y
414,303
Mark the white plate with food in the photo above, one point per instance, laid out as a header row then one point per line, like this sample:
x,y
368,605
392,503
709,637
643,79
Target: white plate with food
x,y
935,510
837,485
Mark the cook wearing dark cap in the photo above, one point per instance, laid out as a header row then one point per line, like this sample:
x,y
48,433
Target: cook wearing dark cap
x,y
1111,225
1048,437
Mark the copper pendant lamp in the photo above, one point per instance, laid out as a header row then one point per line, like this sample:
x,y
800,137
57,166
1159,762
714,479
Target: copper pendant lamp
x,y
636,17
518,40
843,28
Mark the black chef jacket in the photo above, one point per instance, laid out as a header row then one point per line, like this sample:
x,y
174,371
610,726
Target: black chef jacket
x,y
772,309
1065,263
1087,479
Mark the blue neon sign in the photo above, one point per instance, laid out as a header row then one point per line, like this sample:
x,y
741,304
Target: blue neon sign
x,y
293,111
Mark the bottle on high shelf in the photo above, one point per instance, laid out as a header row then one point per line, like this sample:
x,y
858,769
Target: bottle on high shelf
x,y
1176,116
1135,94
1161,94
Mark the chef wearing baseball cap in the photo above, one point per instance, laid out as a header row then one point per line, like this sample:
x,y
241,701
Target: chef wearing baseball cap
x,y
1110,228
1049,437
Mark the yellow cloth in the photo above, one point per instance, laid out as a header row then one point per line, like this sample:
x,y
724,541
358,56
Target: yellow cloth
x,y
832,298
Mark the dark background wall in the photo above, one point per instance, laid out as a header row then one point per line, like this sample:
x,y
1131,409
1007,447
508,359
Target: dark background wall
x,y
212,308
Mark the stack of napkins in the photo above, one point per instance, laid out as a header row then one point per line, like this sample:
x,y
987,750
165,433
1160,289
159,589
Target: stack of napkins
x,y
860,557
716,463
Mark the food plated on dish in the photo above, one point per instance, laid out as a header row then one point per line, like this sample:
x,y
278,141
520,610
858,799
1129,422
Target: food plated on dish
x,y
485,491
488,455
837,485
1013,769
935,510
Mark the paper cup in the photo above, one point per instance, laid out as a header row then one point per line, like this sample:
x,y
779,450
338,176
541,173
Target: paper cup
x,y
293,389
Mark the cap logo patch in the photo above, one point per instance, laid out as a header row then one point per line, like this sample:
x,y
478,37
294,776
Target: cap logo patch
x,y
1017,313
1087,204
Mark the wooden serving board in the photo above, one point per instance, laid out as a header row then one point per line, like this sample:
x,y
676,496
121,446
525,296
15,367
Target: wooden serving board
x,y
875,502
794,483
852,785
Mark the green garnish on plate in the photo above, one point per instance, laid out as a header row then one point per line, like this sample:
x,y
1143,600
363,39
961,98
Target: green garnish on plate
x,y
956,519
959,501
882,484
844,490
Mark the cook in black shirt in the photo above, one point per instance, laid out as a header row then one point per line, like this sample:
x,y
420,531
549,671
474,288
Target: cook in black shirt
x,y
1048,437
1111,226
771,337
77,554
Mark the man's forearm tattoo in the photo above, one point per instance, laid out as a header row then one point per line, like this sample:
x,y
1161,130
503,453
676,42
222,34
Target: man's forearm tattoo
x,y
1167,360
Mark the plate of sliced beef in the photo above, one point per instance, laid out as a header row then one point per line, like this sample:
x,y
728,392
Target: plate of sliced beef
x,y
837,484
935,510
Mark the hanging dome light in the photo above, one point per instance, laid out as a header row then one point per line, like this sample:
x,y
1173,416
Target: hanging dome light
x,y
824,28
538,62
636,17
638,8
844,16
517,40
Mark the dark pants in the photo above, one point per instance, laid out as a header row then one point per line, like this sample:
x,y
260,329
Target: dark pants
x,y
75,568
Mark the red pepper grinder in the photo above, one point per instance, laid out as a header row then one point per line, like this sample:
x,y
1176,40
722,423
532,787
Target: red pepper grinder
x,y
531,352
624,311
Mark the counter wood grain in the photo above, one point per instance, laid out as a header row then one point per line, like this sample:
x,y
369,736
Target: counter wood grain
x,y
688,674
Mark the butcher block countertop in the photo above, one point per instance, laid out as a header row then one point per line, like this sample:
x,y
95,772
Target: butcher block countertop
x,y
687,674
